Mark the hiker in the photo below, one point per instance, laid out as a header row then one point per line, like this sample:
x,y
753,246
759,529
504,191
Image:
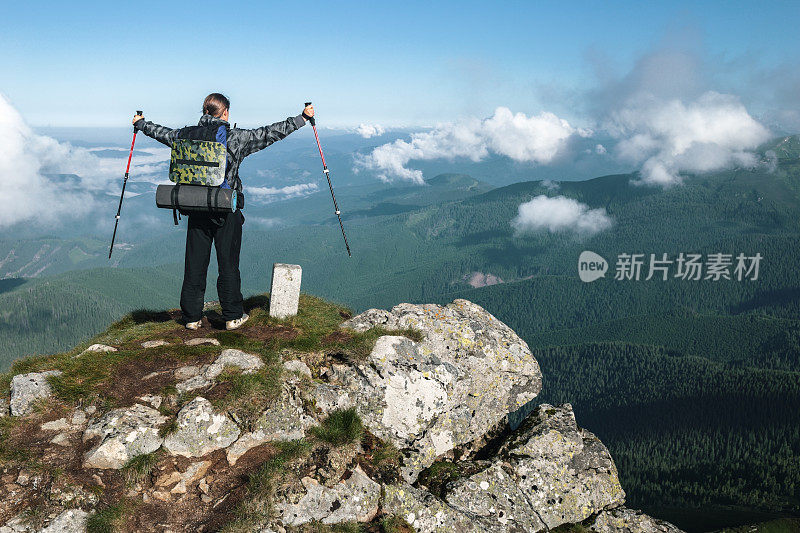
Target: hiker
x,y
225,230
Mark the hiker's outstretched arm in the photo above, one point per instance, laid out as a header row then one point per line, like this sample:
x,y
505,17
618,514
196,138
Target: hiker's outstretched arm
x,y
259,138
160,133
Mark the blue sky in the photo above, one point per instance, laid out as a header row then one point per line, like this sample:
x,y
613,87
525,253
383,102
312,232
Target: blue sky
x,y
394,63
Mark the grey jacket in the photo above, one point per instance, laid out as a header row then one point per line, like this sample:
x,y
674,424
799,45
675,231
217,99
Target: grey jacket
x,y
241,142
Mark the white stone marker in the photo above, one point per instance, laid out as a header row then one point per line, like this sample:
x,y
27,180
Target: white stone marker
x,y
284,297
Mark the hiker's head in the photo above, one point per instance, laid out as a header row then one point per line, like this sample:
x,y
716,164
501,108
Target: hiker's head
x,y
216,105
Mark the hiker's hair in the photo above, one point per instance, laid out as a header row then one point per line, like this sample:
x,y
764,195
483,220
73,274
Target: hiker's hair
x,y
215,104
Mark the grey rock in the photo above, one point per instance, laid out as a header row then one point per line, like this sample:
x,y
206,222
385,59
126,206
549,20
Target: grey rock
x,y
460,382
428,514
283,421
194,383
200,430
182,480
624,520
154,344
69,521
124,433
549,472
98,348
186,372
17,524
248,363
62,439
4,409
197,341
330,397
154,400
296,365
206,374
27,388
56,425
354,499
284,296
71,423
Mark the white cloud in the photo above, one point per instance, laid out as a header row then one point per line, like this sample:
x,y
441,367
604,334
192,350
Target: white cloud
x,y
30,164
370,130
535,139
272,194
264,222
670,136
560,214
25,160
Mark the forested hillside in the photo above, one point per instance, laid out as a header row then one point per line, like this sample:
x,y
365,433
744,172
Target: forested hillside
x,y
706,370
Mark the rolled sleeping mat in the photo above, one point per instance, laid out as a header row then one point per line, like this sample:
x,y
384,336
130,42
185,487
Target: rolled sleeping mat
x,y
198,198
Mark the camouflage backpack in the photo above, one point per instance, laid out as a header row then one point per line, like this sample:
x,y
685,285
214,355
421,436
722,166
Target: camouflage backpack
x,y
199,156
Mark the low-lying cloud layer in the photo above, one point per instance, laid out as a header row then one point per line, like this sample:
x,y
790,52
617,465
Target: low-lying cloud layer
x,y
560,214
272,194
44,180
671,114
536,139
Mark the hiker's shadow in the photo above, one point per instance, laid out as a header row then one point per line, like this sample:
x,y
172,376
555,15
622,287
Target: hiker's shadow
x,y
141,316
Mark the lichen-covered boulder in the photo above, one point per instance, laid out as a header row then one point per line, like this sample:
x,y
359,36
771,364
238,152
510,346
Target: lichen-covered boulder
x,y
154,343
283,421
200,430
549,472
354,499
624,520
27,388
124,433
428,514
461,381
69,521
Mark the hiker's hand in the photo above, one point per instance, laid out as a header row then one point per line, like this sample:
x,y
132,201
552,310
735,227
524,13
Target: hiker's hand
x,y
137,118
308,112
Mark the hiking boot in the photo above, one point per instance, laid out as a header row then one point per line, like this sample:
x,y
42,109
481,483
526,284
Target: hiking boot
x,y
234,324
194,325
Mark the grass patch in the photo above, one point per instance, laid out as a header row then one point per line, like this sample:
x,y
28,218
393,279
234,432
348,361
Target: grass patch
x,y
340,428
385,524
250,394
82,375
138,469
235,339
168,429
395,524
438,475
570,528
107,520
9,453
380,460
257,507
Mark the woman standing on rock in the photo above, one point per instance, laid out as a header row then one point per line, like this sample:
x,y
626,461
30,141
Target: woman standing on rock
x,y
225,231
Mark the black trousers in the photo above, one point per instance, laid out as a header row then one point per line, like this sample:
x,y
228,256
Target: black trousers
x,y
226,233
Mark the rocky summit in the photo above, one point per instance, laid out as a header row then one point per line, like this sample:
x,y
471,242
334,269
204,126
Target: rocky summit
x,y
391,421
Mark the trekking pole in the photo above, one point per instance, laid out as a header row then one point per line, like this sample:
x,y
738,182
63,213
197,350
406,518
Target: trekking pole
x,y
122,195
330,185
